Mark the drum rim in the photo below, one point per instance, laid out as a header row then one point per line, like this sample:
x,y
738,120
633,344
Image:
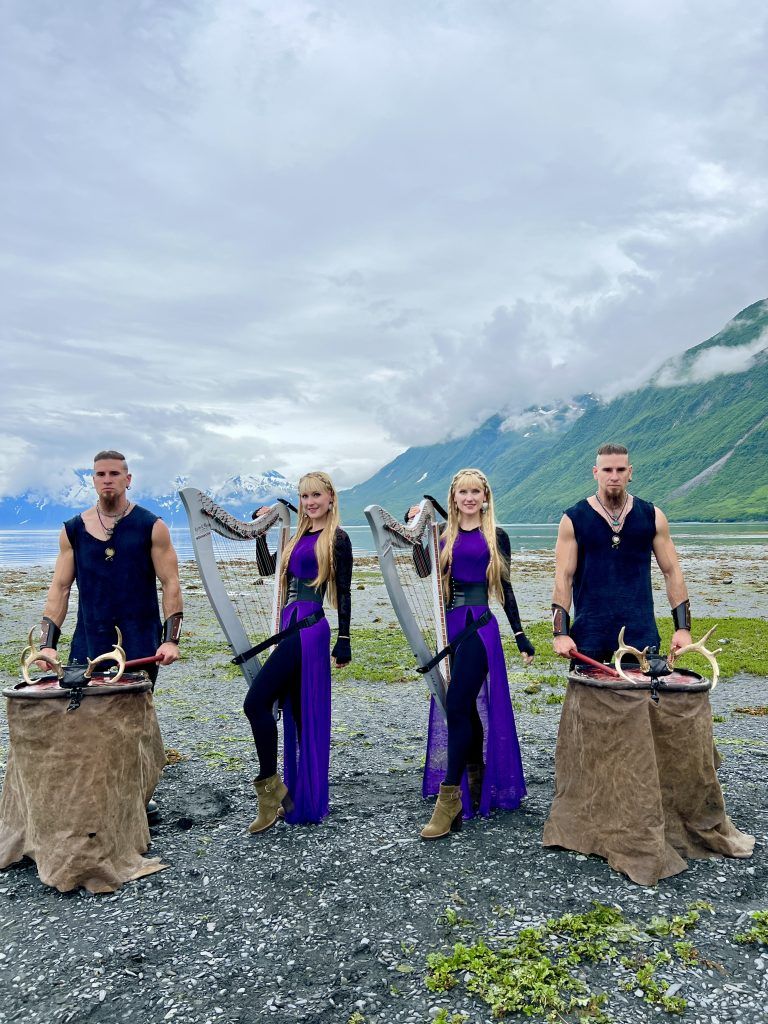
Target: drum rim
x,y
698,684
136,682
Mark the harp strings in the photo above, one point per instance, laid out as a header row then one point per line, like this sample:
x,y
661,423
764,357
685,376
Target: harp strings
x,y
417,589
250,592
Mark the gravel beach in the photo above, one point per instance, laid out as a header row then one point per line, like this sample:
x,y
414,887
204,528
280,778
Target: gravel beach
x,y
333,923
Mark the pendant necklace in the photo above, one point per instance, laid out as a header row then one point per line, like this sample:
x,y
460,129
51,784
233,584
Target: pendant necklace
x,y
109,552
615,521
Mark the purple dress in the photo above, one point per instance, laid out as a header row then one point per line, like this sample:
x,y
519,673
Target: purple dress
x,y
503,783
306,760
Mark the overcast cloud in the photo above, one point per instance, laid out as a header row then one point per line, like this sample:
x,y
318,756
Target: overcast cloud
x,y
246,235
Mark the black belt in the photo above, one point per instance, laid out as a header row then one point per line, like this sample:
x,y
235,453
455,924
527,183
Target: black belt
x,y
295,627
468,593
300,589
467,632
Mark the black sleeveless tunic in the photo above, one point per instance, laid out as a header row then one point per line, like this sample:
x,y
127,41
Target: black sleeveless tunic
x,y
117,586
612,585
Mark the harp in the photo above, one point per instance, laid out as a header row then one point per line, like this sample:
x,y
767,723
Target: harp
x,y
238,571
410,564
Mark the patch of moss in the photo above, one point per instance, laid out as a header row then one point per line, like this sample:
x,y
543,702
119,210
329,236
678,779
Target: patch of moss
x,y
218,757
743,643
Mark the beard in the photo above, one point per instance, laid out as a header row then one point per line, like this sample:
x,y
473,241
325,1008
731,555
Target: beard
x,y
615,497
112,502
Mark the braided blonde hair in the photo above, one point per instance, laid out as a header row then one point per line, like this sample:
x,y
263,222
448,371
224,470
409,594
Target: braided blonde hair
x,y
497,569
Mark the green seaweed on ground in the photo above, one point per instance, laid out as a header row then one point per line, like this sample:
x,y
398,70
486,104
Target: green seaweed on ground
x,y
10,663
758,933
217,757
743,643
654,990
450,918
541,970
677,925
380,655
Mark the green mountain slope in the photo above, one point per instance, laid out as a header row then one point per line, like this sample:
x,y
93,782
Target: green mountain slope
x,y
699,448
508,455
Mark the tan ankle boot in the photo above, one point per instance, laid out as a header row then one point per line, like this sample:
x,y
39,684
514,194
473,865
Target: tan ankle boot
x,y
272,792
446,816
475,775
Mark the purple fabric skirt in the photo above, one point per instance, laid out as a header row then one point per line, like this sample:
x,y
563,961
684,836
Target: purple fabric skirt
x,y
503,784
306,760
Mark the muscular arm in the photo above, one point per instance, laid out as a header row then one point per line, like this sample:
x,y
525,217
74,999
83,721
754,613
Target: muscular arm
x,y
57,601
566,559
666,557
166,567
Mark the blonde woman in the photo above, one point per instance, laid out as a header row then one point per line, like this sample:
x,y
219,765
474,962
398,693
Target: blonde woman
x,y
473,760
317,561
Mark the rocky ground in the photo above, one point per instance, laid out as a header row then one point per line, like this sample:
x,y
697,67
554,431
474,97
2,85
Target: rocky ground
x,y
333,923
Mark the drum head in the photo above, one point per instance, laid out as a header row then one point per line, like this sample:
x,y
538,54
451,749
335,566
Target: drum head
x,y
47,687
681,680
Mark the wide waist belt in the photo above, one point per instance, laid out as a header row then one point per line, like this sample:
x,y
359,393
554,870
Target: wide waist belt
x,y
468,593
302,590
295,627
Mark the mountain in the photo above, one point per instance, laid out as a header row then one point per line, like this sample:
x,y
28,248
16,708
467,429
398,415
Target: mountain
x,y
240,495
504,449
697,434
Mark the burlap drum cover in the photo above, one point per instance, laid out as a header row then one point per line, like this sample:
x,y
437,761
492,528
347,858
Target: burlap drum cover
x,y
636,782
76,787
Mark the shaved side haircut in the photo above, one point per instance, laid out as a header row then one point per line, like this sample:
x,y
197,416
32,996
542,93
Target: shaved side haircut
x,y
609,448
111,454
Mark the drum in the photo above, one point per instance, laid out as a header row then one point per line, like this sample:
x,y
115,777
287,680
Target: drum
x,y
83,761
635,774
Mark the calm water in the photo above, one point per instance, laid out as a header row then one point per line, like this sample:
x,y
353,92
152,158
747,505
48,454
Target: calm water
x,y
39,547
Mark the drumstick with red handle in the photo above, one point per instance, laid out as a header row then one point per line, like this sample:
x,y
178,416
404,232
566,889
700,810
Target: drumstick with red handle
x,y
573,653
140,661
144,661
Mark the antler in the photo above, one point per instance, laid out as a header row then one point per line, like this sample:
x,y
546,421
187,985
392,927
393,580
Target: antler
x,y
116,654
701,649
30,655
623,649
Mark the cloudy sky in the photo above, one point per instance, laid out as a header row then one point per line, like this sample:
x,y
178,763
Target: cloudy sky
x,y
241,235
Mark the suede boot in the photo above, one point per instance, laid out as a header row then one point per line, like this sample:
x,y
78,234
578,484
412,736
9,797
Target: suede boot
x,y
475,776
272,792
446,816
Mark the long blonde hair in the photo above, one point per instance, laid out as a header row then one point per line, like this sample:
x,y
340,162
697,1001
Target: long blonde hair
x,y
497,568
326,573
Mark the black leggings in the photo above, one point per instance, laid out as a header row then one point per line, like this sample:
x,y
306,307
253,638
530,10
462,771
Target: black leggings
x,y
278,680
469,667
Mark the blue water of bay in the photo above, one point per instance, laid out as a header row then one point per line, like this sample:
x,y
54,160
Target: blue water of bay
x,y
39,547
